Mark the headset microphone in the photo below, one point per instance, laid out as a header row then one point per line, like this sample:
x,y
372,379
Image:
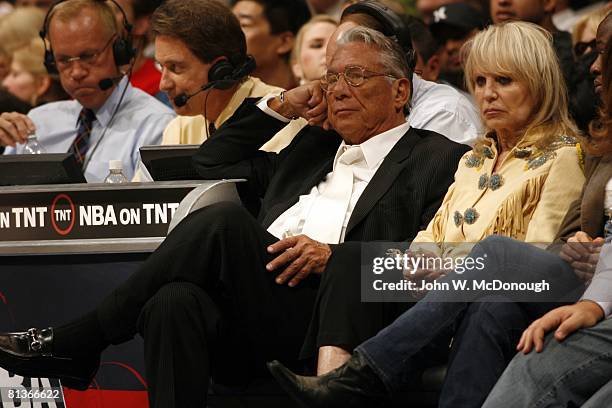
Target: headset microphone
x,y
107,83
182,99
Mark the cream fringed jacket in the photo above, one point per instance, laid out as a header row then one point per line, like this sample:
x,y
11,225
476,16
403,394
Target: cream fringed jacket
x,y
526,199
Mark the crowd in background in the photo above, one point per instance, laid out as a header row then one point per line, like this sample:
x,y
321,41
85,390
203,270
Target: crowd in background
x,y
510,95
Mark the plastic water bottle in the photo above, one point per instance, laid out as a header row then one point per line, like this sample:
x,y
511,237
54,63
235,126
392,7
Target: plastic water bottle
x,y
33,146
115,175
608,211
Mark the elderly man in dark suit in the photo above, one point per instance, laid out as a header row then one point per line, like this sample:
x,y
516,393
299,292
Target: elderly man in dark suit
x,y
221,296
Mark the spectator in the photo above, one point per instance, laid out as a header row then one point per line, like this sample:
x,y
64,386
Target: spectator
x,y
519,102
112,119
436,107
203,309
572,366
44,5
17,29
270,27
568,12
427,7
145,75
585,31
308,57
428,58
29,80
453,25
332,8
576,76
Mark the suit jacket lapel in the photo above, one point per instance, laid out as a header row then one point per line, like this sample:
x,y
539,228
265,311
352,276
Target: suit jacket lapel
x,y
309,182
384,177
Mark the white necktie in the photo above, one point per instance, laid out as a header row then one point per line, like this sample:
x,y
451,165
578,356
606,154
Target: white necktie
x,y
326,217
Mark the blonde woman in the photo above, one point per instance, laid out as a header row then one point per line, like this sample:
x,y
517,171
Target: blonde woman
x,y
28,79
517,185
308,55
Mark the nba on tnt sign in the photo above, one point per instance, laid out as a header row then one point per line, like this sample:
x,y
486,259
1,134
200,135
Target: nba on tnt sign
x,y
63,214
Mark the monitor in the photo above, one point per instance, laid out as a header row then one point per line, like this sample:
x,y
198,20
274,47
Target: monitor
x,y
170,162
32,169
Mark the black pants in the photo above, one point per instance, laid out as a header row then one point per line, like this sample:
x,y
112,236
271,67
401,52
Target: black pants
x,y
340,318
206,306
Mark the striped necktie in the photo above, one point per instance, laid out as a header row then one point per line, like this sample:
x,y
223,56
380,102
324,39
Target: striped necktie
x,y
81,141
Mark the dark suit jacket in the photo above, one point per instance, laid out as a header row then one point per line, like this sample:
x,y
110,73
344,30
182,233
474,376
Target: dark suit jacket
x,y
587,213
401,198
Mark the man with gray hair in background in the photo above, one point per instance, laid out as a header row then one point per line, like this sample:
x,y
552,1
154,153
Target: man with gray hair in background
x,y
210,307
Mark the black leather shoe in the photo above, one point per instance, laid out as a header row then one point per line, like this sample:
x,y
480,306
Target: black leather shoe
x,y
352,385
30,354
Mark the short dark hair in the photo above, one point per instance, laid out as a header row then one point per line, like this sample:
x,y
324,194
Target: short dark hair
x,y
283,15
207,27
422,38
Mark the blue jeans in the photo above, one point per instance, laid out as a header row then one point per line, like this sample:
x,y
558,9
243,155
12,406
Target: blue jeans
x,y
397,352
572,373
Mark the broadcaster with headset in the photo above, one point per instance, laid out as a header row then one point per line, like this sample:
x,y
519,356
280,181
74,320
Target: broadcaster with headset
x,y
108,118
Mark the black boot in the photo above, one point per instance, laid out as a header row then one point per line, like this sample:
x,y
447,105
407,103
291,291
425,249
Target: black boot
x,y
352,385
30,354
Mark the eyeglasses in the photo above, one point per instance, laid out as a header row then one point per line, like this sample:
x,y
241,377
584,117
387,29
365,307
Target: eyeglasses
x,y
87,58
581,47
354,75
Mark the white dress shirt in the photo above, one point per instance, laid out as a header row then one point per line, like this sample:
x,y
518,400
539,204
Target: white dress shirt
x,y
374,150
444,110
140,120
600,288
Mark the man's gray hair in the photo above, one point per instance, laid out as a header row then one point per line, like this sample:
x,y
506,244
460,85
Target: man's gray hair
x,y
392,59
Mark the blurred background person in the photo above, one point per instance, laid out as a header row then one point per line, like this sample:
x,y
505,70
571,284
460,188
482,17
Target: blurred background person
x,y
585,31
44,5
453,25
575,72
308,56
17,29
428,51
332,8
270,27
145,75
28,78
568,12
427,7
5,7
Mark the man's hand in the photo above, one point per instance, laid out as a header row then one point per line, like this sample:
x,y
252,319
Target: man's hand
x,y
307,101
15,128
582,253
422,272
302,255
565,319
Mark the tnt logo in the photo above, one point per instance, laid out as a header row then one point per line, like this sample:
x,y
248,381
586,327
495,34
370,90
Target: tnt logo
x,y
63,214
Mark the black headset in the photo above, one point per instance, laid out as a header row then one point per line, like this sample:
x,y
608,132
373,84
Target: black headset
x,y
123,51
392,25
222,74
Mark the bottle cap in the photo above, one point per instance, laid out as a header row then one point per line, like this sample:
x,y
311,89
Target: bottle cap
x,y
115,165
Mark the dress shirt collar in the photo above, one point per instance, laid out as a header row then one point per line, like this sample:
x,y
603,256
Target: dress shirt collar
x,y
242,92
376,148
105,113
